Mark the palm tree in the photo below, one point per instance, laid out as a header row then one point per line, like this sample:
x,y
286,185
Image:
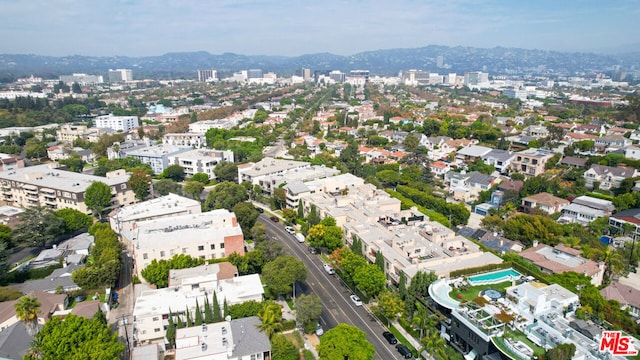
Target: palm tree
x,y
27,310
434,344
271,317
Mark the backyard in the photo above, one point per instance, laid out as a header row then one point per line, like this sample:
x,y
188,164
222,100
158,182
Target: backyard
x,y
469,292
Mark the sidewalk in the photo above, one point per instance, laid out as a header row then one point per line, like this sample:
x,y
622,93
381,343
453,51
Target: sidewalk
x,y
415,343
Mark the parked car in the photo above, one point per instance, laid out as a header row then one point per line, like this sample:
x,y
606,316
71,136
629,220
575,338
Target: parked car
x,y
390,337
299,237
404,351
274,219
290,230
328,268
356,300
260,210
313,250
319,330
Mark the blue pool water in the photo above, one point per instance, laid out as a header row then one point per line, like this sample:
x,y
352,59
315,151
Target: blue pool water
x,y
494,277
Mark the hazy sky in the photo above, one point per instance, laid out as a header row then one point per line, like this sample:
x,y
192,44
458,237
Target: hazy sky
x,y
297,27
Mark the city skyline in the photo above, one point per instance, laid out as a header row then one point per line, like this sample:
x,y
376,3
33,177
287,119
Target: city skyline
x,y
291,28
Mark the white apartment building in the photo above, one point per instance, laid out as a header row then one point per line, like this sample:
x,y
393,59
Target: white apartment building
x,y
152,307
209,235
194,140
238,339
407,240
48,186
255,172
116,123
201,127
157,156
120,75
125,218
201,161
342,183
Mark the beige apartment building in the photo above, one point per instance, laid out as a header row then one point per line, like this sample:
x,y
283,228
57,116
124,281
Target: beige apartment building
x,y
531,162
48,186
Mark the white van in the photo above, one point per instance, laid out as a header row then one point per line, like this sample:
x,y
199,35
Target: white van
x,y
299,237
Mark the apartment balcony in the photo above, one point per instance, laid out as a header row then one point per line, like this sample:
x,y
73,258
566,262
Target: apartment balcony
x,y
49,192
31,195
49,200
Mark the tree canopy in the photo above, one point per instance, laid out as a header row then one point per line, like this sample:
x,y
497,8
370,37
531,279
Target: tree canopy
x,y
97,197
280,274
345,341
157,272
225,196
75,337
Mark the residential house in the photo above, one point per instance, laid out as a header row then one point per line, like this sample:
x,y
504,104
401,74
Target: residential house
x,y
67,133
632,152
467,186
513,185
574,161
237,339
627,296
536,131
560,259
10,162
256,172
471,153
585,209
607,177
545,202
157,156
531,162
630,217
604,143
49,304
439,168
500,159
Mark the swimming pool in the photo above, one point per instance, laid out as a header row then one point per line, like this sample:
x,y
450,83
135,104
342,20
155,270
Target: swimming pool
x,y
494,277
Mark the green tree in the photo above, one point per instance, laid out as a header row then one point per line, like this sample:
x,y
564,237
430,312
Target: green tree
x,y
280,274
314,217
226,171
194,189
271,318
27,310
171,330
379,260
300,210
198,320
73,163
37,226
97,197
245,309
345,342
35,149
290,215
139,182
174,172
561,352
201,177
157,272
75,337
247,215
164,187
283,349
280,198
390,305
225,196
370,279
308,309
411,143
74,220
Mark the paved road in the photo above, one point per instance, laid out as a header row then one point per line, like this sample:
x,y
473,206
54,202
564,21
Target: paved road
x,y
337,307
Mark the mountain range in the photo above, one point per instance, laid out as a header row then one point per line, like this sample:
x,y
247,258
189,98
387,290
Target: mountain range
x,y
498,60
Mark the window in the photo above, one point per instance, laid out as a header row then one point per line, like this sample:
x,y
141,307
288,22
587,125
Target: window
x,y
200,247
156,330
221,245
73,196
213,246
213,256
161,253
156,318
145,256
171,252
123,186
184,250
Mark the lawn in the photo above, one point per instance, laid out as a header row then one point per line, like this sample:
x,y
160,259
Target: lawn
x,y
471,292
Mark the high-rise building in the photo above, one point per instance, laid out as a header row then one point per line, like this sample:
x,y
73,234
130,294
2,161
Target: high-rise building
x,y
306,74
337,76
254,74
82,79
362,75
120,75
207,75
476,78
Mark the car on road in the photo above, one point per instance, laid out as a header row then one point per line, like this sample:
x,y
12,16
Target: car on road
x,y
319,330
391,339
356,300
290,230
260,210
404,351
313,250
274,219
328,268
299,237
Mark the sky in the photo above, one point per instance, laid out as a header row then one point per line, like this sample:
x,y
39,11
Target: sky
x,y
298,27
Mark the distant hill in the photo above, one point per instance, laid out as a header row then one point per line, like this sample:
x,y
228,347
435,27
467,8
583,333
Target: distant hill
x,y
380,62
